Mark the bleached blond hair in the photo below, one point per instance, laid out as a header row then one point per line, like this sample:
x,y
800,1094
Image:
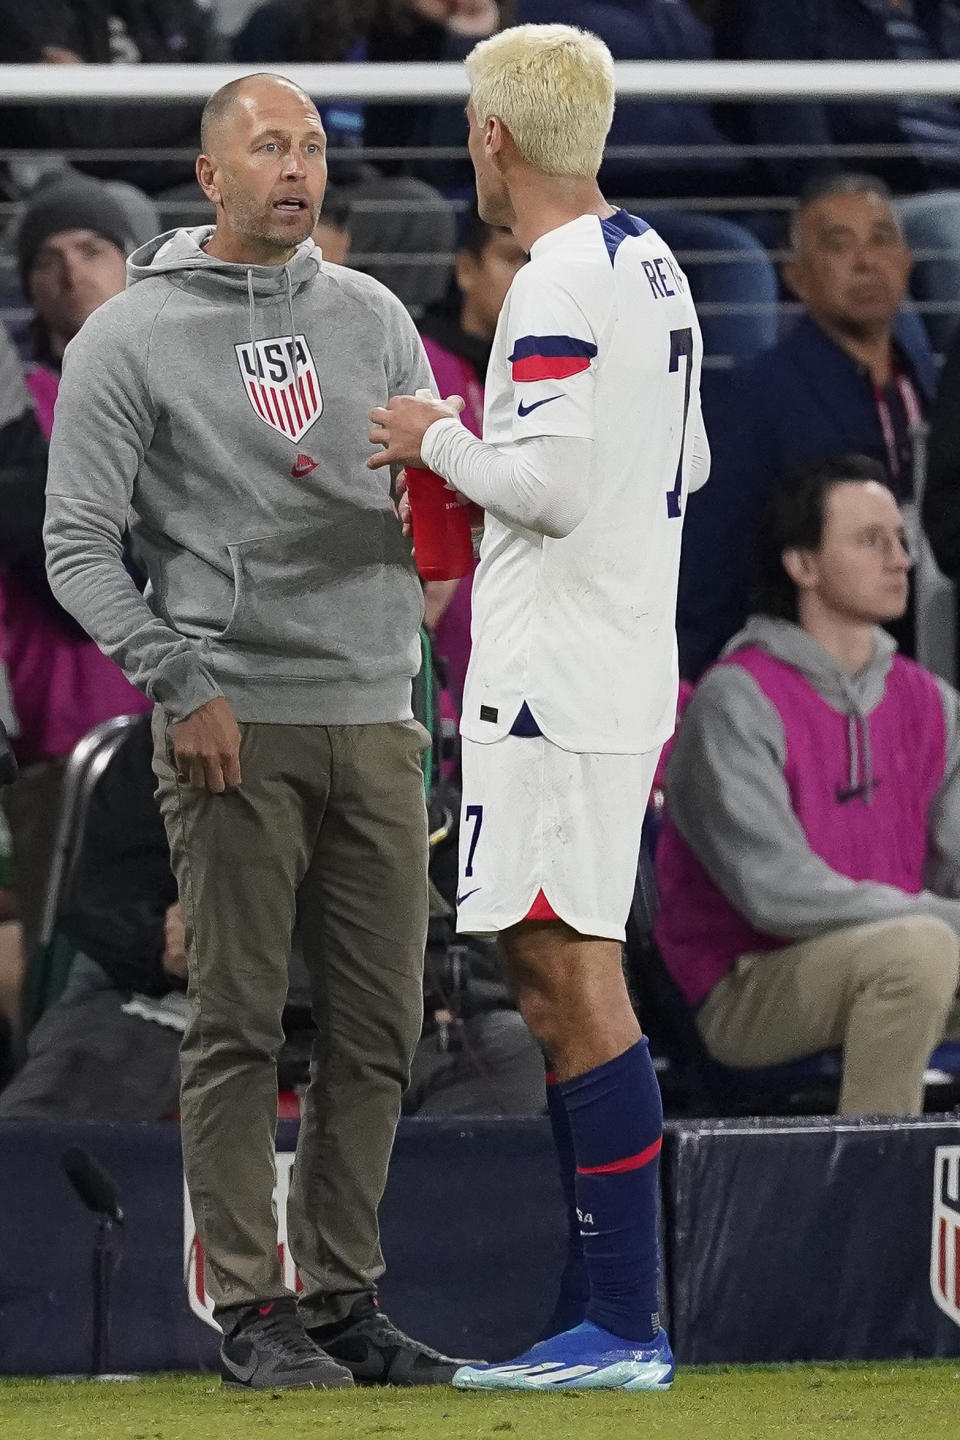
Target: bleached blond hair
x,y
553,88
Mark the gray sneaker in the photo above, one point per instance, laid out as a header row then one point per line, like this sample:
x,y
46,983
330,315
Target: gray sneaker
x,y
268,1349
377,1353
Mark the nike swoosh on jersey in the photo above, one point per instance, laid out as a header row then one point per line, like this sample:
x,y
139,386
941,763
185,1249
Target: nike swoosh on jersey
x,y
523,410
466,896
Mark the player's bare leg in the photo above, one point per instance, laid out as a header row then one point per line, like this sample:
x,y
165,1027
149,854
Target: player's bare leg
x,y
570,990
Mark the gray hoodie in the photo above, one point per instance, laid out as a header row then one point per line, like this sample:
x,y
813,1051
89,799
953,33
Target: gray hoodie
x,y
727,795
277,572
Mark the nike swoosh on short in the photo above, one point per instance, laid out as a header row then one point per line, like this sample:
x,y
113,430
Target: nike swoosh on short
x,y
461,898
523,410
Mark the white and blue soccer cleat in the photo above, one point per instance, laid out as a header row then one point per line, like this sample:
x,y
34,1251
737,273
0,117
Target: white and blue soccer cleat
x,y
586,1358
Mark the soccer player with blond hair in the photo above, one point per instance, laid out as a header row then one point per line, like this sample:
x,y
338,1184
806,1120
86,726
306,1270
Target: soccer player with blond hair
x,y
592,440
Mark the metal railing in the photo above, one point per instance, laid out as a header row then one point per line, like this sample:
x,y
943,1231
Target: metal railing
x,y
414,81
700,81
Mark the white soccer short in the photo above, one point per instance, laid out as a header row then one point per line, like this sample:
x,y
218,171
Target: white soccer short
x,y
535,817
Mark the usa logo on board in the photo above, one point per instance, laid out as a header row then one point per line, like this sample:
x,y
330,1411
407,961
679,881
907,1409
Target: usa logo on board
x,y
194,1260
281,382
945,1242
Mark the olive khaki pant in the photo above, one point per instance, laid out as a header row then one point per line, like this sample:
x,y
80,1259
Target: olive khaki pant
x,y
886,993
327,831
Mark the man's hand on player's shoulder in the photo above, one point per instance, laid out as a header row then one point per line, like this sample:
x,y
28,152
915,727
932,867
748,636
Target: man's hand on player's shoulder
x,y
206,747
401,425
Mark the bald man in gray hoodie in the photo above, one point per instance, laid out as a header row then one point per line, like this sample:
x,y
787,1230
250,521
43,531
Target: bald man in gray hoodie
x,y
218,408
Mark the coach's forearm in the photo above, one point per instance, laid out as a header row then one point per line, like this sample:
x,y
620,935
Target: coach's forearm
x,y
88,577
539,484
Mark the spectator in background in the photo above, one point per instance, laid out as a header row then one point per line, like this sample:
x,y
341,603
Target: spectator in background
x,y
853,374
457,334
926,130
70,250
71,254
809,864
332,230
105,32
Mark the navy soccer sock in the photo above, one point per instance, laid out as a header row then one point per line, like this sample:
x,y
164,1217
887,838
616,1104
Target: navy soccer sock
x,y
571,1302
616,1122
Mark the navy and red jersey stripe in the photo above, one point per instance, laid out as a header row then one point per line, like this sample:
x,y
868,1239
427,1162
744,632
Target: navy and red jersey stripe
x,y
550,357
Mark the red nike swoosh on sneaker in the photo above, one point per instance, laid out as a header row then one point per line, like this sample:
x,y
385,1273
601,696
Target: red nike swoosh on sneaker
x,y
302,466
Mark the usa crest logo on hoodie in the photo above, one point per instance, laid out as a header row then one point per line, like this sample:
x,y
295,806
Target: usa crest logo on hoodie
x,y
281,382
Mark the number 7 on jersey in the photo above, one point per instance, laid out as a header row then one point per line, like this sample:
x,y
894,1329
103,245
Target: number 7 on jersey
x,y
681,346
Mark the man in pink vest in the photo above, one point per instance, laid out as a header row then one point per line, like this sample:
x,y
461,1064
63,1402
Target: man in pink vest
x,y
809,867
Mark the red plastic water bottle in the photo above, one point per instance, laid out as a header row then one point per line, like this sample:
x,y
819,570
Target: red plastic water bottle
x,y
442,537
442,523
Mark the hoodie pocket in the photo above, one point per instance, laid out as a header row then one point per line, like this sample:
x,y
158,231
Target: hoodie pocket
x,y
332,598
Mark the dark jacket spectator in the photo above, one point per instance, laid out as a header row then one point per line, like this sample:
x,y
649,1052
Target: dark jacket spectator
x,y
803,399
852,374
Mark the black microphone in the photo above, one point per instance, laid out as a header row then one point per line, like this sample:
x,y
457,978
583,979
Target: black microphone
x,y
92,1183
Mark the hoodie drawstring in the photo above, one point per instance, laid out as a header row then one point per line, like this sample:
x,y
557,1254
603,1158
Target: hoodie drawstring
x,y
293,334
252,312
853,749
868,781
861,783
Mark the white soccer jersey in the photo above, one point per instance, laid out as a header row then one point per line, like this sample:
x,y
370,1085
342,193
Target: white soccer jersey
x,y
598,338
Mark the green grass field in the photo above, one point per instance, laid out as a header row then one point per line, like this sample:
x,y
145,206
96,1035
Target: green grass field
x,y
912,1401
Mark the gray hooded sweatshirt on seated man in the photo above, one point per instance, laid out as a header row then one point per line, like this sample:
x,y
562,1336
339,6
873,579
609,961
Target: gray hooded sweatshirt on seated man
x,y
727,796
220,412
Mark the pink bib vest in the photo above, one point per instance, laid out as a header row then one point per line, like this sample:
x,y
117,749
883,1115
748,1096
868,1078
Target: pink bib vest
x,y
456,376
867,831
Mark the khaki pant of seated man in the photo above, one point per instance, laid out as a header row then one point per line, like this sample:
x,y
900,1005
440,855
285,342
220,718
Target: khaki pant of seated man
x,y
886,993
